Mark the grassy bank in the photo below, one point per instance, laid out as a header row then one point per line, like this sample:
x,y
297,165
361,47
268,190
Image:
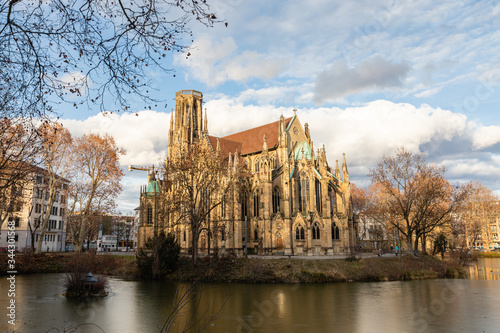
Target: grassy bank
x,y
232,270
488,254
316,271
122,266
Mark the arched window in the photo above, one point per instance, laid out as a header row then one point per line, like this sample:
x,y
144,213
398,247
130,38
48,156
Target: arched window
x,y
256,165
255,234
184,235
276,199
317,187
315,231
335,232
256,203
303,192
333,200
243,206
300,233
274,165
149,214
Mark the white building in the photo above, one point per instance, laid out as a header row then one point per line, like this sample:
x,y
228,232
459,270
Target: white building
x,y
28,213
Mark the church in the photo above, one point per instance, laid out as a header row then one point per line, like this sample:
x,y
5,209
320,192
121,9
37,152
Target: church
x,y
297,204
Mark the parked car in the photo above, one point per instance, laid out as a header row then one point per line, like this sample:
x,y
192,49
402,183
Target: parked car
x,y
6,249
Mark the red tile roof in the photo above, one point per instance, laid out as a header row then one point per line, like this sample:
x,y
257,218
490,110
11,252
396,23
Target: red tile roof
x,y
226,146
252,140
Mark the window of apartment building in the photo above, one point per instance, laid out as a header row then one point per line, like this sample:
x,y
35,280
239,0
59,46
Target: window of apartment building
x,y
61,211
38,208
57,197
44,209
16,237
60,225
46,195
63,199
53,211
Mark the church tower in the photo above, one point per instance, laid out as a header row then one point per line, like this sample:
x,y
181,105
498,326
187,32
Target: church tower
x,y
186,124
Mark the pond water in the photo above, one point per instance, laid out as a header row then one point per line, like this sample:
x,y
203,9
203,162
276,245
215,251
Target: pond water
x,y
451,305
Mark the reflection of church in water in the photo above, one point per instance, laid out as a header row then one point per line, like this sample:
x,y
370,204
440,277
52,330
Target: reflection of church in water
x,y
296,205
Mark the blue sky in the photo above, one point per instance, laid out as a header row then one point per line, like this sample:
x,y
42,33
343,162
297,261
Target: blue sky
x,y
368,76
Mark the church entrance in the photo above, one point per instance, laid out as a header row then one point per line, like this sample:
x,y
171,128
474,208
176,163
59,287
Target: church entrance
x,y
203,246
279,243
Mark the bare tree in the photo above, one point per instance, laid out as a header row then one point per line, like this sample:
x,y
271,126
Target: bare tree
x,y
416,193
194,173
95,183
473,220
56,155
96,52
19,147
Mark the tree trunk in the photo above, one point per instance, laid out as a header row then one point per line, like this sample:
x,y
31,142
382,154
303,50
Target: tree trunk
x,y
424,243
409,242
208,245
194,245
415,245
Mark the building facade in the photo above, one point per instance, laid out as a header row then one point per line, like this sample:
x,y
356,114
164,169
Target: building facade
x,y
297,204
26,215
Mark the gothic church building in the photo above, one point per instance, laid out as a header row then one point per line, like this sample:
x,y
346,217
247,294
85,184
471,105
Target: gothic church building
x,y
297,204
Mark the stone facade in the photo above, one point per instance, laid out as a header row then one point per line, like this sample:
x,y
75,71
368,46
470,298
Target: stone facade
x,y
297,204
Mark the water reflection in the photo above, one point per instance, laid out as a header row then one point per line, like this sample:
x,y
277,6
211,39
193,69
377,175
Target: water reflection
x,y
484,269
416,306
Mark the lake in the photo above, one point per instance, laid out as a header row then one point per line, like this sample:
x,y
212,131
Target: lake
x,y
442,305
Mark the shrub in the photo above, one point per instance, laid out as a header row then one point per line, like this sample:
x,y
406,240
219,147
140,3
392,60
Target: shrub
x,y
161,256
80,265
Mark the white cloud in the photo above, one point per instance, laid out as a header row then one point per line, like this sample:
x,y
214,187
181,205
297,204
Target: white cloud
x,y
214,62
373,74
428,92
144,136
486,136
75,82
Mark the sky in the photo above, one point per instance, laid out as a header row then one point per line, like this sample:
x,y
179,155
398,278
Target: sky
x,y
367,76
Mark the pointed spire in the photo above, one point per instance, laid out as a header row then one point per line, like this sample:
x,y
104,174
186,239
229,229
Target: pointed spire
x,y
282,132
337,169
345,173
205,122
306,130
236,158
294,112
171,130
264,146
230,161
